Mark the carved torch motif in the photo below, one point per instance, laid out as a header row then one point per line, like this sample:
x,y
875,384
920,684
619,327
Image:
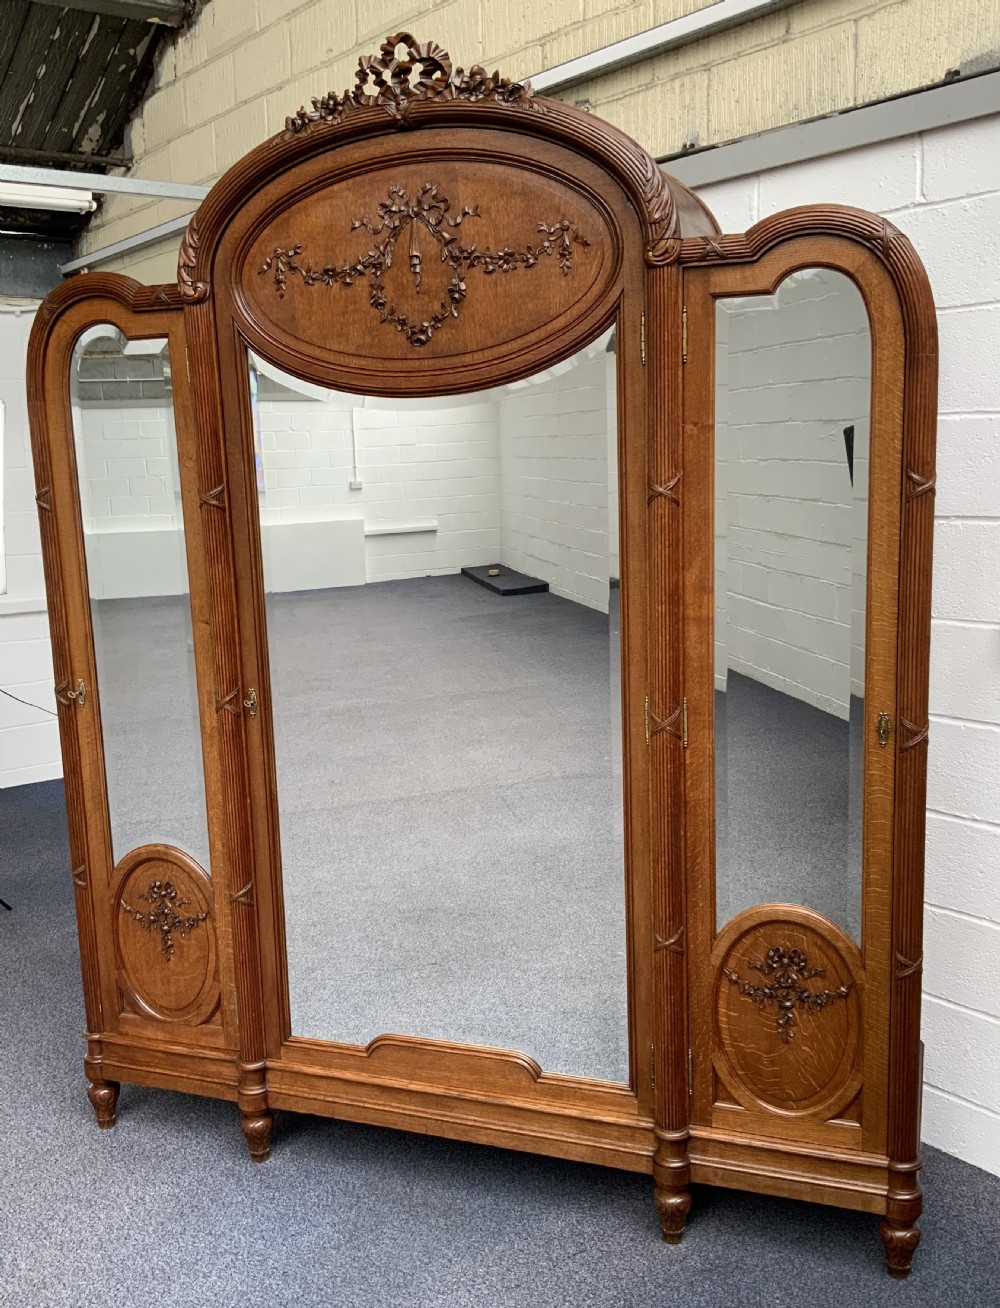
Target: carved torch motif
x,y
786,972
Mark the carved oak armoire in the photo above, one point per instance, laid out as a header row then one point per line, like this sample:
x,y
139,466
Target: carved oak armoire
x,y
439,321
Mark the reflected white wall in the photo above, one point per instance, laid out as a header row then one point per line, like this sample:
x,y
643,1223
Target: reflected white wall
x,y
793,370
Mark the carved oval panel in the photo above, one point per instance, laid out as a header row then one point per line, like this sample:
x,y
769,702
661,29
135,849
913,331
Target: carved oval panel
x,y
164,935
406,266
788,995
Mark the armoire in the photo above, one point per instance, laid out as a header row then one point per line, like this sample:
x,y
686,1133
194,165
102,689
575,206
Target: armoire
x,y
609,847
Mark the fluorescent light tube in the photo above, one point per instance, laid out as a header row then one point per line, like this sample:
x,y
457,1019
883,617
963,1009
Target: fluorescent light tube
x,y
65,199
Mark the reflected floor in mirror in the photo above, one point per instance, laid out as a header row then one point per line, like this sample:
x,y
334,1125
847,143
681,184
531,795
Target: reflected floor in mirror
x,y
451,816
789,829
149,722
451,836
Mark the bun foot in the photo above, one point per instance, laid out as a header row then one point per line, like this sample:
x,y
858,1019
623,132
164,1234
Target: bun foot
x,y
104,1097
257,1129
900,1243
673,1207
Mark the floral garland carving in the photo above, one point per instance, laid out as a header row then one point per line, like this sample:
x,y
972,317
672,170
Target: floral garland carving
x,y
164,916
428,212
787,971
385,80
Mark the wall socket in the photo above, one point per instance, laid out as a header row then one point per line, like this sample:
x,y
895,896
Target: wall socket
x,y
355,485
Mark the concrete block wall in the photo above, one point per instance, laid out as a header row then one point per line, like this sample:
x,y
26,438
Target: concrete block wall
x,y
942,188
231,80
554,447
793,370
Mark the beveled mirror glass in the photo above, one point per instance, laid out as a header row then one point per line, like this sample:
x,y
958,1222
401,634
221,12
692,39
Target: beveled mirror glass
x,y
448,756
793,383
133,532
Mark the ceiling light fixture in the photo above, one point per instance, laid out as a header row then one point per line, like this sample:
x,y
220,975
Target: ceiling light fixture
x,y
64,199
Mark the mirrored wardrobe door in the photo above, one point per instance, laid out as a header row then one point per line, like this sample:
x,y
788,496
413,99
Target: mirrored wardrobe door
x,y
137,576
792,398
142,694
441,590
791,682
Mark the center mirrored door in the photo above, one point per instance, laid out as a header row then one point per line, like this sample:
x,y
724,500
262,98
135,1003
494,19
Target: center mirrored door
x,y
442,582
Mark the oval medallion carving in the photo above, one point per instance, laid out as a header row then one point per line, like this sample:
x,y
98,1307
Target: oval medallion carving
x,y
411,264
788,997
165,936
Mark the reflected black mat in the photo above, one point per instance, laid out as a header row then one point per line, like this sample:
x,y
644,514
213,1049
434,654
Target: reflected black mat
x,y
505,581
167,1209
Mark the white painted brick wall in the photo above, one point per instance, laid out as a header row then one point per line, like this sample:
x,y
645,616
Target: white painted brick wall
x,y
518,477
417,460
234,75
792,371
127,462
29,739
943,189
555,443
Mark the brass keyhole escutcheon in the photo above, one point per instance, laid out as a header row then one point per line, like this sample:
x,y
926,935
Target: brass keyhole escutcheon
x,y
250,703
882,728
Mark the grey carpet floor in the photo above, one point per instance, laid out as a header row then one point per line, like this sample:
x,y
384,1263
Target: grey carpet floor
x,y
167,1209
450,795
788,804
449,776
451,820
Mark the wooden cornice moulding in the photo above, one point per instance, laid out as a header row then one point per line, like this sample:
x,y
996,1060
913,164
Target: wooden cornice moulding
x,y
868,229
116,287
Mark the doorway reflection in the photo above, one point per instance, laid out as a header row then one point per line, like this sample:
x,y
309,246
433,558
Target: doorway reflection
x,y
448,757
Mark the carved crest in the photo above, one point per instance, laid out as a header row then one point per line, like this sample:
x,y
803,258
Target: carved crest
x,y
786,972
387,80
431,229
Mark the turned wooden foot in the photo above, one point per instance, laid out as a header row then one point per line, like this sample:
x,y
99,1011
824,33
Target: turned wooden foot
x,y
673,1207
257,1129
900,1243
104,1096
